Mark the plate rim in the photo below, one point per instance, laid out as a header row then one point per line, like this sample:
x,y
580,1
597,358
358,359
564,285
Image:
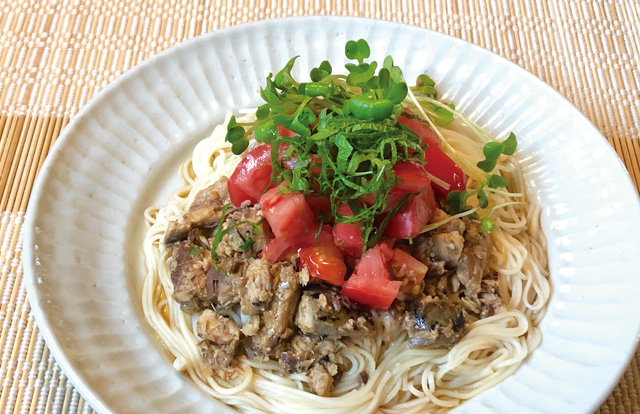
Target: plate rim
x,y
28,253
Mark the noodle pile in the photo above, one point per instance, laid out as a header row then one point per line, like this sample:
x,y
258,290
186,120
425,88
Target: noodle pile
x,y
401,380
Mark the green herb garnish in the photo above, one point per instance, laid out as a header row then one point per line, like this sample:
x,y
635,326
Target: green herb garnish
x,y
493,149
355,140
349,138
247,245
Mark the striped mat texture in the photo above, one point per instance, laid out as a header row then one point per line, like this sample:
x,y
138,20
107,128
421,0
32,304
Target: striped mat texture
x,y
55,55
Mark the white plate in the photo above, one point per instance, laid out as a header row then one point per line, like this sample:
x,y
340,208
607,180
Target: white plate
x,y
82,256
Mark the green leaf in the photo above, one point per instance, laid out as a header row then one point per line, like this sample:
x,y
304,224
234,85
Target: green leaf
x,y
384,78
373,83
269,96
357,50
266,132
315,75
426,86
299,123
394,71
232,123
235,134
247,245
321,72
483,201
238,147
398,92
509,144
487,165
306,116
443,117
424,80
351,49
491,151
344,150
456,201
282,119
280,79
496,181
360,74
263,112
325,66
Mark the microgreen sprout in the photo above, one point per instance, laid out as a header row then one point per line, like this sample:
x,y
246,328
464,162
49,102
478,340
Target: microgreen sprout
x,y
349,138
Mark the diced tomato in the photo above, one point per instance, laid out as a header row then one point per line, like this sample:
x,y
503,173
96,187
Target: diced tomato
x,y
414,180
251,177
320,205
421,129
285,132
409,222
288,214
438,164
442,167
348,237
323,259
287,161
277,249
371,284
409,270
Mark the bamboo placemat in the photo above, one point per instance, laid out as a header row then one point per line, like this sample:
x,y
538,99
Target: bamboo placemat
x,y
55,55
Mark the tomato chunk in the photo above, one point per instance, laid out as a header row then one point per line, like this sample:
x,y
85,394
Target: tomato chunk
x,y
277,249
414,180
409,222
286,132
409,270
421,129
371,284
251,177
320,205
323,259
288,214
348,237
438,164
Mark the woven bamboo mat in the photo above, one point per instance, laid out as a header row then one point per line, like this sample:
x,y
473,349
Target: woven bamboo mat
x,y
55,55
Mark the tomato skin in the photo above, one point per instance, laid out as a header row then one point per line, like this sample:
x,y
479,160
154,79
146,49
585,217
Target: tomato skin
x,y
323,259
348,237
288,214
421,129
409,222
438,163
413,175
251,177
286,132
441,166
414,180
371,284
406,267
277,249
